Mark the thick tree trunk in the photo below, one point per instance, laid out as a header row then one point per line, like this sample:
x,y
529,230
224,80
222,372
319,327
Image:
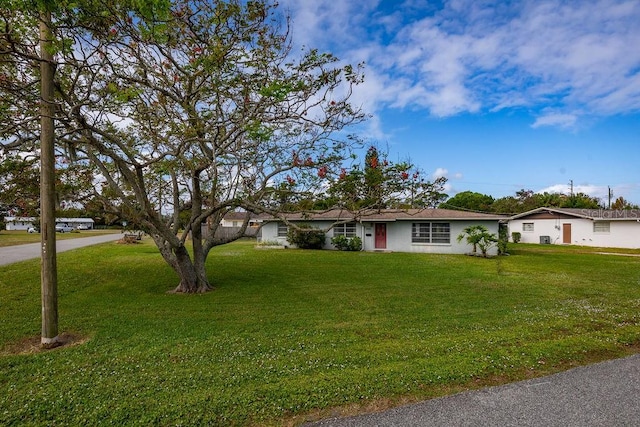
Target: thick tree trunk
x,y
192,280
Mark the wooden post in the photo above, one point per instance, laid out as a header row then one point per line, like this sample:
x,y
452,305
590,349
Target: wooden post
x,y
49,270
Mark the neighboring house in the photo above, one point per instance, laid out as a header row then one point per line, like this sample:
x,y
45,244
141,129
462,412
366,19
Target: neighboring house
x,y
410,230
24,223
588,227
18,222
236,219
231,224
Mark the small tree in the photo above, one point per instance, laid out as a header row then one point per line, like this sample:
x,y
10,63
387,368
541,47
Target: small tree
x,y
479,237
380,183
473,234
486,242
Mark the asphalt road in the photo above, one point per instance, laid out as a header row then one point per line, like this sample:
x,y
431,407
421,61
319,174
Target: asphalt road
x,y
603,394
11,254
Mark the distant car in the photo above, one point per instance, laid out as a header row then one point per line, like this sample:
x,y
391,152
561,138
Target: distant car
x,y
83,227
63,228
32,230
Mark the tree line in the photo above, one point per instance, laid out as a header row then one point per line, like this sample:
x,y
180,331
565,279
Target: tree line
x,y
526,200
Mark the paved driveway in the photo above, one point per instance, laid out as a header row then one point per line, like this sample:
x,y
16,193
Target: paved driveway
x,y
11,254
603,394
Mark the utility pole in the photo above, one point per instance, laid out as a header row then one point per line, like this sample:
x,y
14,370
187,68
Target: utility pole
x,y
48,265
571,188
610,196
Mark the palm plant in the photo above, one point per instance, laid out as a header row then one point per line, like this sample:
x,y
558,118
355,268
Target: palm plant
x,y
478,236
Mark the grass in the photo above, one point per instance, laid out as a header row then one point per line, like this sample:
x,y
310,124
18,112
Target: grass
x,y
21,237
291,335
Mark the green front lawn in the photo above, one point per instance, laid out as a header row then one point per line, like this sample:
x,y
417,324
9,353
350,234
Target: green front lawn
x,y
291,334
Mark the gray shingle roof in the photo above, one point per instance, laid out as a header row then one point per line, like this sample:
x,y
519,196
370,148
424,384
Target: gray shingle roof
x,y
600,214
386,215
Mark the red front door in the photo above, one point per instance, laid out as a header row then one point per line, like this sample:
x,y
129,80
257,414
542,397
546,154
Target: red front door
x,y
381,236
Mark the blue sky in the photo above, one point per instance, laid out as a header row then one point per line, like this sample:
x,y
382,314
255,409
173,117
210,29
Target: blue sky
x,y
495,95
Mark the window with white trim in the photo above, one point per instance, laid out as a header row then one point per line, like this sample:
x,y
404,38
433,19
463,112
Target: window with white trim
x,y
601,226
346,230
430,232
527,226
283,229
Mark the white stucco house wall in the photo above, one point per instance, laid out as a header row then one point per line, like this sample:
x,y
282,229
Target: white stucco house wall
x,y
407,230
24,223
587,227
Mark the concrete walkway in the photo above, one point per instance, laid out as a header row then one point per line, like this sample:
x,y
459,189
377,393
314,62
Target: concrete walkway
x,y
603,394
11,254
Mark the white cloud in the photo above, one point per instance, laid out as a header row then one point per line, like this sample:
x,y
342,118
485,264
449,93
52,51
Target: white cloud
x,y
449,185
555,188
575,58
439,173
626,191
599,191
560,120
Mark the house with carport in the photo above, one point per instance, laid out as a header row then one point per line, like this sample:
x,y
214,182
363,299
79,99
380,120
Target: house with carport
x,y
588,227
397,230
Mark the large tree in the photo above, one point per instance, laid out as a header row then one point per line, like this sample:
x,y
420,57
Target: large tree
x,y
195,106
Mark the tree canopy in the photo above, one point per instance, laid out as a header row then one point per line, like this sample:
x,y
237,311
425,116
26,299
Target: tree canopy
x,y
469,200
522,201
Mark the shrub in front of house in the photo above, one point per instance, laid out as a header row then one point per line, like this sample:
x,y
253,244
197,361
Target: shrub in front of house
x,y
344,243
515,236
306,237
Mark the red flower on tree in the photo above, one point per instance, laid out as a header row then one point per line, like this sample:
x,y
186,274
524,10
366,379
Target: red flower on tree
x,y
290,180
296,159
322,172
404,175
343,173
